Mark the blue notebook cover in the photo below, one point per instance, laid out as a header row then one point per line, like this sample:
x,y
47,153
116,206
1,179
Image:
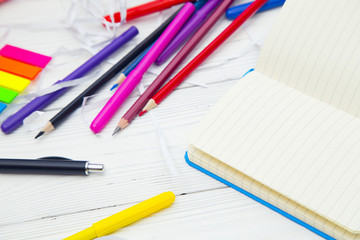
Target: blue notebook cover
x,y
272,207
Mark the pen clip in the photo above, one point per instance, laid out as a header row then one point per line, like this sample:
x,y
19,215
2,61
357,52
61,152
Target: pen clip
x,y
55,158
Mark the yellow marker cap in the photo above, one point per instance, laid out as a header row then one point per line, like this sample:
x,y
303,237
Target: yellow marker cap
x,y
13,82
125,217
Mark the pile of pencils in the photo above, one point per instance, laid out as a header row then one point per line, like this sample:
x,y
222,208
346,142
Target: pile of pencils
x,y
184,29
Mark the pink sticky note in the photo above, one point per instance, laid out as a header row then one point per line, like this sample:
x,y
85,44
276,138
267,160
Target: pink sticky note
x,y
25,56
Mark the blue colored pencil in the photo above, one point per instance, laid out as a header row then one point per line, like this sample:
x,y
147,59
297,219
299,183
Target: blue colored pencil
x,y
233,12
131,67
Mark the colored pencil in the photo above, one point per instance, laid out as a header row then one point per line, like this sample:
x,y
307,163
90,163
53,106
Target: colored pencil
x,y
126,60
175,62
131,67
136,75
145,9
188,30
202,56
235,11
16,120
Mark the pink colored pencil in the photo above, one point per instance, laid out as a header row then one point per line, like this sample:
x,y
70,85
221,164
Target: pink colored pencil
x,y
136,75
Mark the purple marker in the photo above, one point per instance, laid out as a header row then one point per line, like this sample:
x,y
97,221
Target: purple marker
x,y
188,30
16,120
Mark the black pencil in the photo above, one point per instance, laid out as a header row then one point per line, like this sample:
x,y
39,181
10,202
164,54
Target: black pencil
x,y
120,65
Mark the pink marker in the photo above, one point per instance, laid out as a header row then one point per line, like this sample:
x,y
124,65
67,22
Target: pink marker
x,y
136,75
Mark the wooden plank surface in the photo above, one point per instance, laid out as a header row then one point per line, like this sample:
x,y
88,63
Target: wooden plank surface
x,y
53,207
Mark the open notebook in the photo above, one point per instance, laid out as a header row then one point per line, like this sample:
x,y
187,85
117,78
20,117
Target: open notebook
x,y
289,132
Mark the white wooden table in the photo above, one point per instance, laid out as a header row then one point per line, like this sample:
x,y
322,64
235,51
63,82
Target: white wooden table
x,y
136,167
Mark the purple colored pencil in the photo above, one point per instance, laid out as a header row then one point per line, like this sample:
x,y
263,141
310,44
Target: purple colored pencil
x,y
188,30
175,62
16,120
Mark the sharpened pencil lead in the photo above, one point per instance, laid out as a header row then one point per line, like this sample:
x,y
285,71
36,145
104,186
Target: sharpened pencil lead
x,y
142,112
149,105
114,86
48,128
117,129
39,134
119,81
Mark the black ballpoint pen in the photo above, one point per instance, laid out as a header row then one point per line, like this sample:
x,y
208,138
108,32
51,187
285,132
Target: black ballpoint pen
x,y
48,165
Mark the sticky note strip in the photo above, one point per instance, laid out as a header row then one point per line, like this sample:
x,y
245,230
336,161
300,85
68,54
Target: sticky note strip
x,y
13,82
2,107
25,56
7,95
21,69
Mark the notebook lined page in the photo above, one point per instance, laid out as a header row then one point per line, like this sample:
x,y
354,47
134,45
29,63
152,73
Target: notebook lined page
x,y
315,48
300,147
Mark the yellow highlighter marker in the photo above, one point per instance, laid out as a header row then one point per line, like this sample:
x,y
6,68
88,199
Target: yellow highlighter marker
x,y
125,217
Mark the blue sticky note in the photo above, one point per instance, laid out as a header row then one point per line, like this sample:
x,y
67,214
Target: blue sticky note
x,y
2,106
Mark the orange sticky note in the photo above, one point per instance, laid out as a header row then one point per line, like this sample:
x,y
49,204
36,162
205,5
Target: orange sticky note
x,y
21,69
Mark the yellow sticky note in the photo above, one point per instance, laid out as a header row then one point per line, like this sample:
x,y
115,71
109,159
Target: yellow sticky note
x,y
13,82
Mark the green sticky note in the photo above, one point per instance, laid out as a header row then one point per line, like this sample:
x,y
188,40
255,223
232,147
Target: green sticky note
x,y
7,95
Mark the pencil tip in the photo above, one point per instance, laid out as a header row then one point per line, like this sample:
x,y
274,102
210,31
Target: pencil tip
x,y
39,134
117,129
142,112
114,86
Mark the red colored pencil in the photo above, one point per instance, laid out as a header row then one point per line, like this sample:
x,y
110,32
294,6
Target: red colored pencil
x,y
145,9
202,56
